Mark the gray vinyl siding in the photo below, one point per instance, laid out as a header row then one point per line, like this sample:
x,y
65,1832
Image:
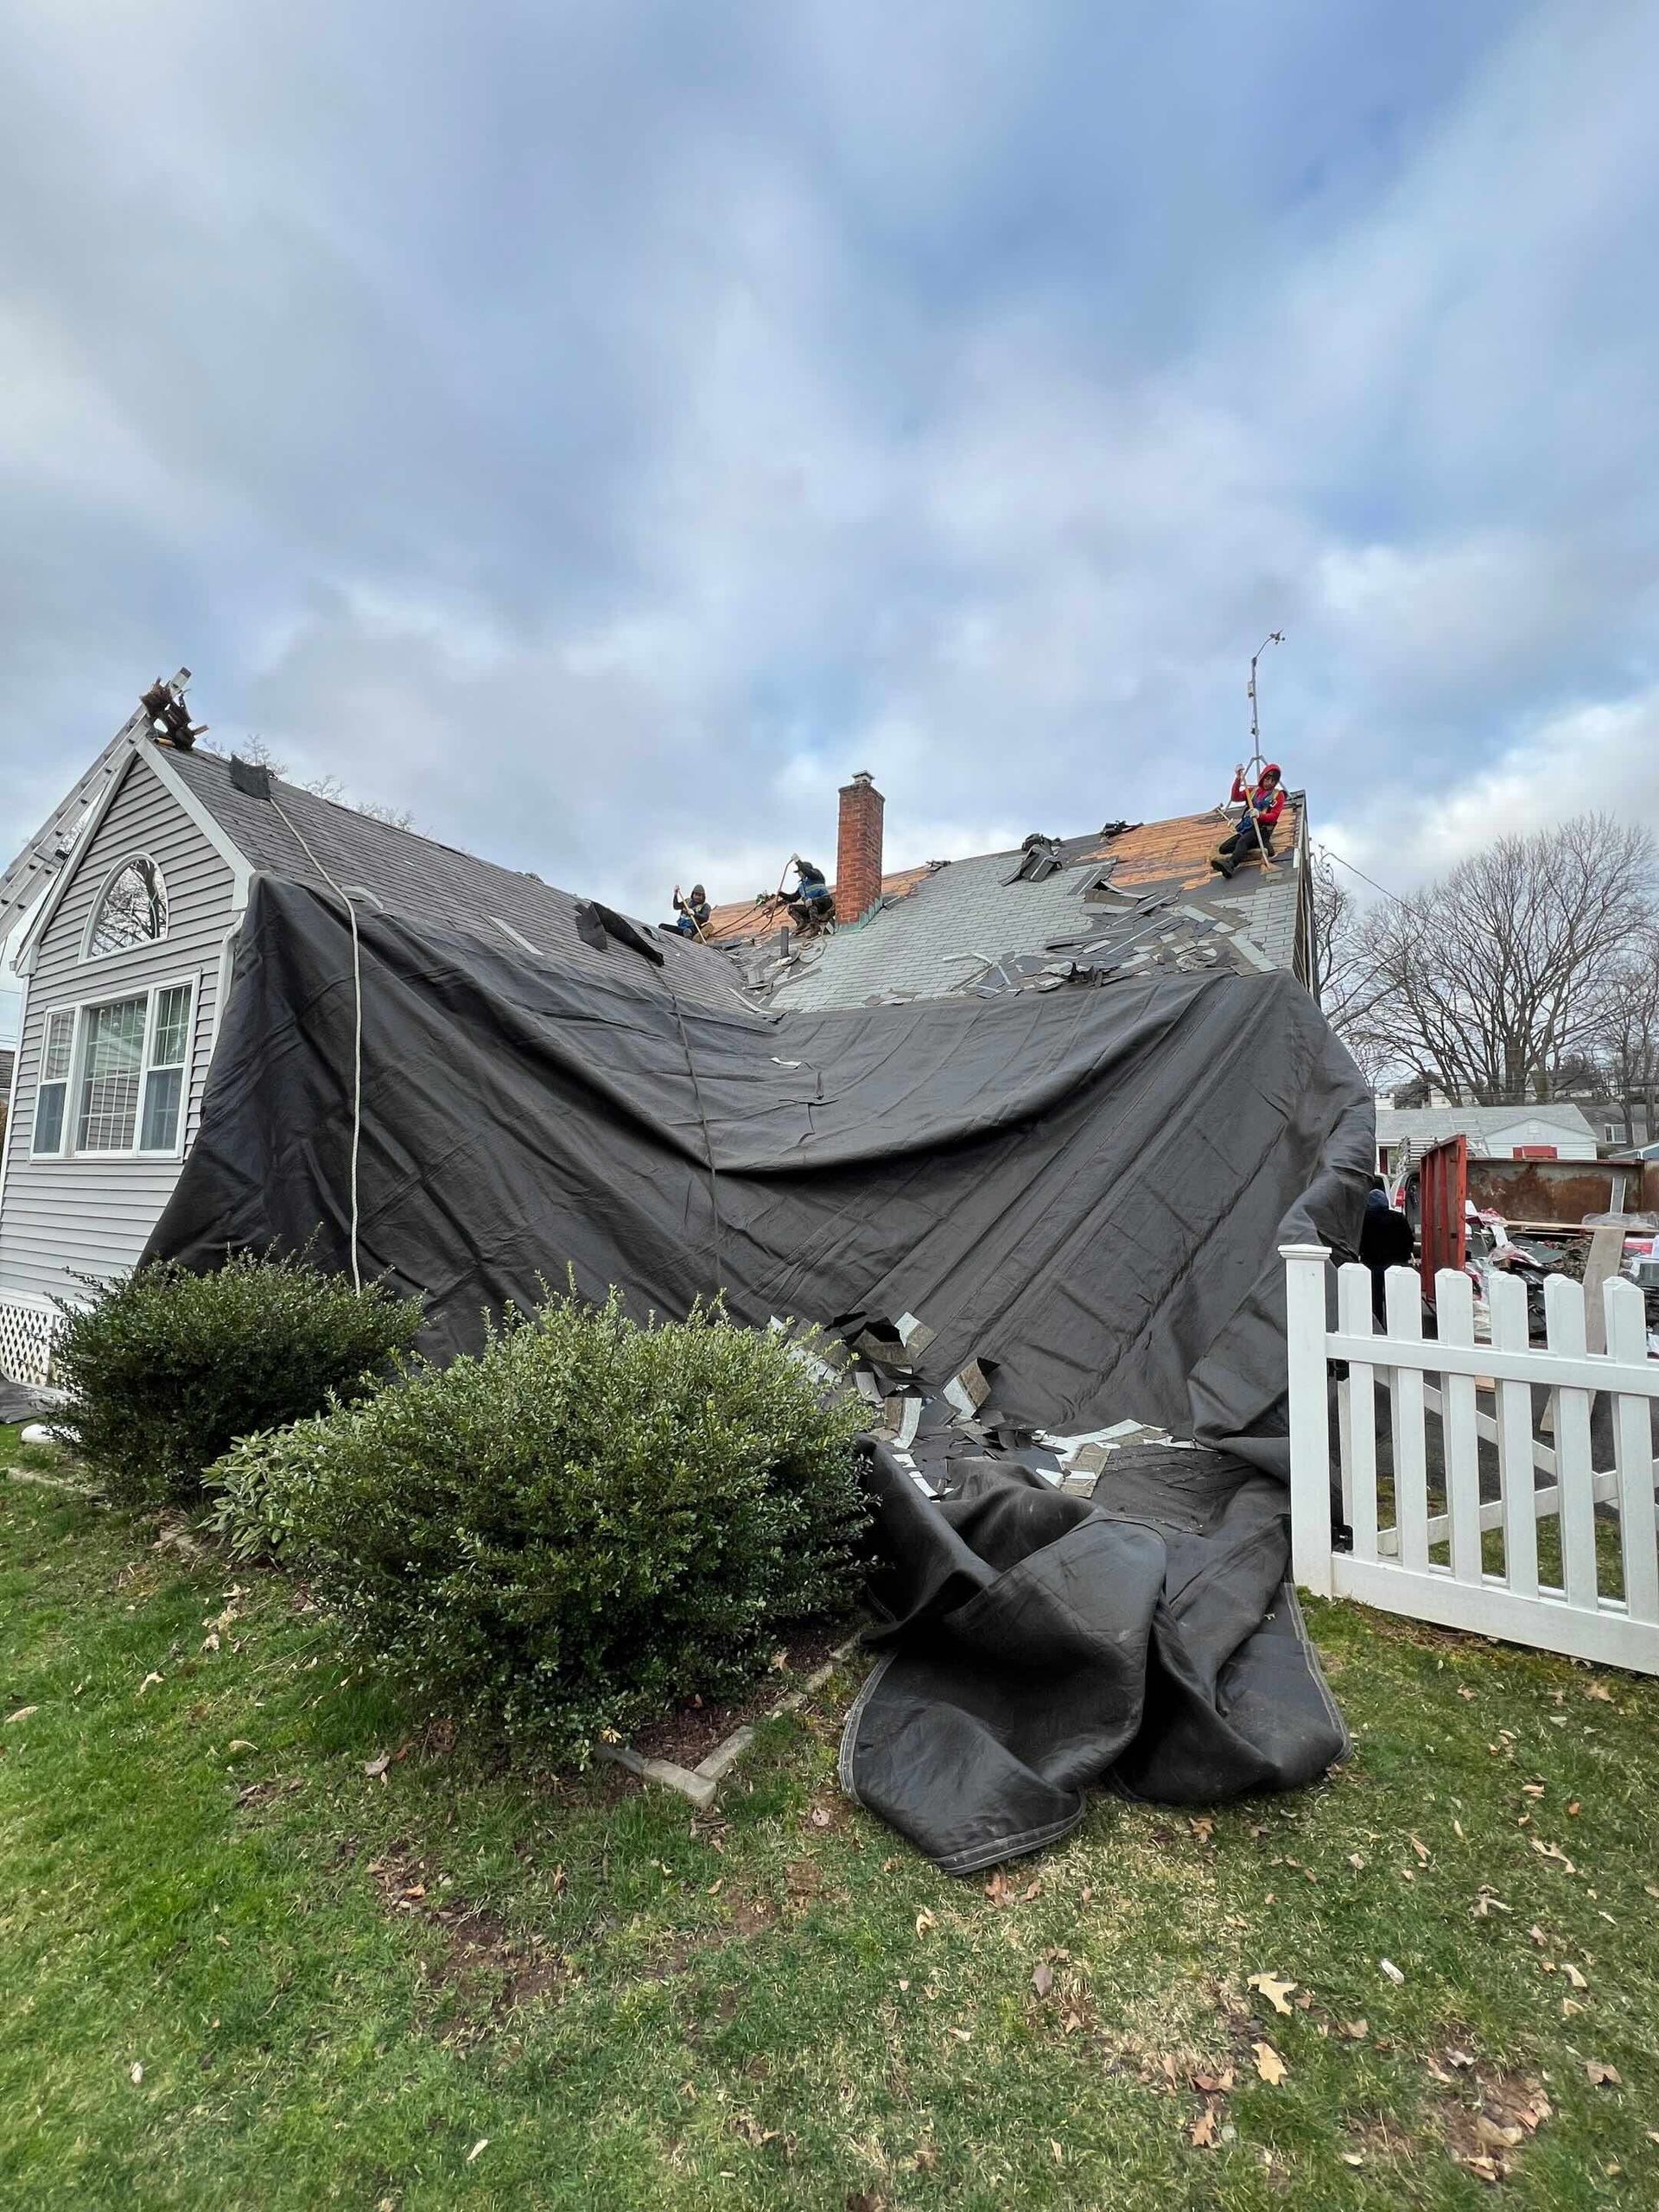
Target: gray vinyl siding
x,y
88,1215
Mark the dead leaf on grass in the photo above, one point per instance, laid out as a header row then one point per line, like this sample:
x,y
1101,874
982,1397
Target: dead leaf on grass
x,y
1214,2085
134,2074
1553,1853
1423,1853
145,1684
1600,2076
1274,1988
1268,2064
1204,2135
1390,1970
22,1713
999,1889
1203,1828
1042,1978
1573,1975
924,1920
1356,2030
378,1766
482,2143
1600,1691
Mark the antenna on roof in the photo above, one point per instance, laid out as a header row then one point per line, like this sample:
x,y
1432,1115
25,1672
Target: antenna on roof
x,y
1257,757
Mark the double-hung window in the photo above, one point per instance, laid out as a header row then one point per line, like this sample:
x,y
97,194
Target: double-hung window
x,y
52,1093
122,1063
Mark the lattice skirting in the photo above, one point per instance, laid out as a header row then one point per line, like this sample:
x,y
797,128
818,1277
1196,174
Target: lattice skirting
x,y
26,1333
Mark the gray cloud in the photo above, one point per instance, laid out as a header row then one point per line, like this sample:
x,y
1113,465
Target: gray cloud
x,y
600,430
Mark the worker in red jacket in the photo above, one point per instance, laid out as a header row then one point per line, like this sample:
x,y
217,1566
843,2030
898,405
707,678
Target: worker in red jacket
x,y
1252,835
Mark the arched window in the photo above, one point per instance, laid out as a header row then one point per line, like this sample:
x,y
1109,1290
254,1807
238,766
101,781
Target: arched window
x,y
131,909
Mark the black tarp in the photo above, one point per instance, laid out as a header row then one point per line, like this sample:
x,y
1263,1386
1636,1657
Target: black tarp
x,y
1037,1645
1087,1186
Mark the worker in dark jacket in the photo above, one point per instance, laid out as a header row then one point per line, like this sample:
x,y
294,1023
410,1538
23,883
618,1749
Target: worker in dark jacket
x,y
691,915
1252,835
812,903
1384,1242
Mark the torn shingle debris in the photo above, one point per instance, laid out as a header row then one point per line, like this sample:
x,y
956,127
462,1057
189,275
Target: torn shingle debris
x,y
1130,901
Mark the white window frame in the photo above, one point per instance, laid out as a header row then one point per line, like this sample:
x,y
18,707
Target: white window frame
x,y
91,959
151,995
36,1151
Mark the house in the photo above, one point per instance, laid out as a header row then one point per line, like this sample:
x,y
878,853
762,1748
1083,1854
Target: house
x,y
1124,901
1541,1132
137,883
1620,1126
135,888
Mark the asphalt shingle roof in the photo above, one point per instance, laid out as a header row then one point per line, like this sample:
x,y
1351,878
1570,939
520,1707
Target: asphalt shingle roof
x,y
415,876
939,929
1429,1124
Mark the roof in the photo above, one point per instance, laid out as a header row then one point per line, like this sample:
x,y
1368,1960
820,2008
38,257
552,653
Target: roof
x,y
429,882
1110,905
1430,1124
744,921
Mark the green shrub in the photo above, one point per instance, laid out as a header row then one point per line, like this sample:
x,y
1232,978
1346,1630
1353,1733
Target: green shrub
x,y
576,1528
165,1369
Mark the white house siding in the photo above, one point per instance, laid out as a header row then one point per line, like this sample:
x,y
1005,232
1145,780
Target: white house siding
x,y
93,1216
1499,1144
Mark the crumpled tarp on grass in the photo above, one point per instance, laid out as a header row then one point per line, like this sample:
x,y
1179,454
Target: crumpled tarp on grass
x,y
1038,1646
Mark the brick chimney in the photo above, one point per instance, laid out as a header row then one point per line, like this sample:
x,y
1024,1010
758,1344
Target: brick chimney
x,y
858,849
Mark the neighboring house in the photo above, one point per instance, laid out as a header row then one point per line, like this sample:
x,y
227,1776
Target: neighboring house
x,y
126,964
1056,911
1618,1127
1553,1132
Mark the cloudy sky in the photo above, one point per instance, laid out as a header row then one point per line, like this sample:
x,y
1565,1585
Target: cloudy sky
x,y
600,429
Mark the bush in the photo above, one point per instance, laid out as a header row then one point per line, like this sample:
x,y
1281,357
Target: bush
x,y
165,1369
566,1534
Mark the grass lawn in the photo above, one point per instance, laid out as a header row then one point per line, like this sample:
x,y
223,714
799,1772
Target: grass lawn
x,y
240,1965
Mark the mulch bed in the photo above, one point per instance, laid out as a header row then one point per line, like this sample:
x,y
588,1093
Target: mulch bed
x,y
691,1731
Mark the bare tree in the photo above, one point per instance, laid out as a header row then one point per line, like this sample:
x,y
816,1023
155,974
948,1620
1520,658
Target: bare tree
x,y
1625,1050
256,750
1344,979
1491,980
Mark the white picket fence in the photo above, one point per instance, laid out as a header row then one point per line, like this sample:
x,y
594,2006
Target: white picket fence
x,y
1467,1561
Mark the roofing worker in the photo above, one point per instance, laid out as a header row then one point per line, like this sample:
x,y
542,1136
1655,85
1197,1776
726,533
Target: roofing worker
x,y
1263,808
1384,1242
812,903
691,915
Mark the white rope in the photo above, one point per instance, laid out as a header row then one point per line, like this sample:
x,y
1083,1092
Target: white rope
x,y
357,1038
